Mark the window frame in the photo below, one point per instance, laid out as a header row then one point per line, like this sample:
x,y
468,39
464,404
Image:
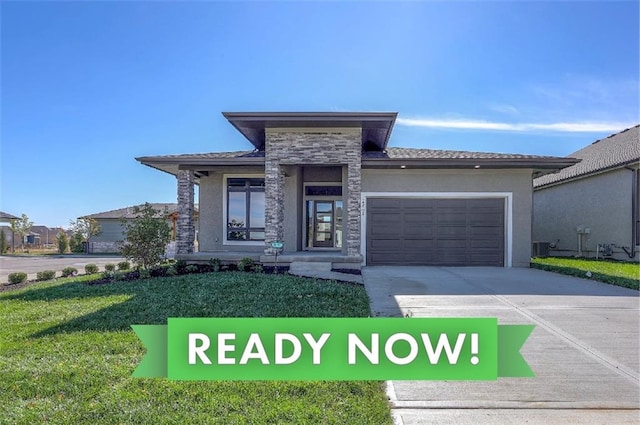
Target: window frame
x,y
225,210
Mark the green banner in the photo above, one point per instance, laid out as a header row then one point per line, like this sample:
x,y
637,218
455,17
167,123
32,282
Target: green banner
x,y
333,349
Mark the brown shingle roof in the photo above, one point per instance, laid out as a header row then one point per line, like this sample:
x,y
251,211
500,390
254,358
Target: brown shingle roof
x,y
129,212
388,158
208,155
615,151
411,153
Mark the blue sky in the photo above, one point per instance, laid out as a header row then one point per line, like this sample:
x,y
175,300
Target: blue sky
x,y
88,86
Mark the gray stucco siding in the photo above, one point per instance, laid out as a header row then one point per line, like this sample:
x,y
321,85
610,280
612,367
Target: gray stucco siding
x,y
516,182
600,202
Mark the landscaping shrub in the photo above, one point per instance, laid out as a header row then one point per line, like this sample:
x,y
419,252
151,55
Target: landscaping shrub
x,y
181,266
46,275
18,277
215,264
192,268
124,265
109,267
158,271
69,271
91,269
246,264
171,271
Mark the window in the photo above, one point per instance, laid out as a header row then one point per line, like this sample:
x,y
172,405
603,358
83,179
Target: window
x,y
245,209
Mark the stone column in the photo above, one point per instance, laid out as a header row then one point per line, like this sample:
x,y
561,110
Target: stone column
x,y
274,204
353,208
185,229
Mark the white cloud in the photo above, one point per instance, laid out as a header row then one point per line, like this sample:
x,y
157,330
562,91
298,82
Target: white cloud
x,y
467,124
504,108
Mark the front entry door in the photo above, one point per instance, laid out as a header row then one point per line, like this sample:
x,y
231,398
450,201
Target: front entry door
x,y
323,219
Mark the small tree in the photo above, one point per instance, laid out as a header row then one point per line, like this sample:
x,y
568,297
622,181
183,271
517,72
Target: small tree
x,y
21,226
76,243
62,240
85,227
3,242
146,237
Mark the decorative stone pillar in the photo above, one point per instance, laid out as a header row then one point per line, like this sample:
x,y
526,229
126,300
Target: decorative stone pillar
x,y
185,229
274,204
354,178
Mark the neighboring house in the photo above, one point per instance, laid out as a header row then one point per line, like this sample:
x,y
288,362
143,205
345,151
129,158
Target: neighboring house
x,y
45,236
112,227
6,217
328,187
592,208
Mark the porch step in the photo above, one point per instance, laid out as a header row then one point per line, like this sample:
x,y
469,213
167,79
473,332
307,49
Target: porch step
x,y
300,267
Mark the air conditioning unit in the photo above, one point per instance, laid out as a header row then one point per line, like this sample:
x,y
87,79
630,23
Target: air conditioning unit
x,y
541,249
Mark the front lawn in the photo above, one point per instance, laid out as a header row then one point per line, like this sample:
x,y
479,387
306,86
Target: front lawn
x,y
614,272
67,353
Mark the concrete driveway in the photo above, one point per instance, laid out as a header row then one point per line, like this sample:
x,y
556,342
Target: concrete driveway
x,y
34,264
584,349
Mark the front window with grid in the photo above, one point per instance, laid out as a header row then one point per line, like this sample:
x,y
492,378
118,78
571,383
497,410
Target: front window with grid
x,y
245,209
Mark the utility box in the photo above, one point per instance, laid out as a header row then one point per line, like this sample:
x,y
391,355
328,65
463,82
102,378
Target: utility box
x,y
541,249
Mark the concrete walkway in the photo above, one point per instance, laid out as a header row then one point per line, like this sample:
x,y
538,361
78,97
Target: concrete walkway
x,y
584,349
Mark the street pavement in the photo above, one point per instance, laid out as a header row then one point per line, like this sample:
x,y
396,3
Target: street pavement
x,y
584,349
33,264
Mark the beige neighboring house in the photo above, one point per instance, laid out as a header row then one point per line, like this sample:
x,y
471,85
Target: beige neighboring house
x,y
112,229
327,188
592,208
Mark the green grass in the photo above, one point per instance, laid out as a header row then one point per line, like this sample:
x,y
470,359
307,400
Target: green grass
x,y
67,353
613,272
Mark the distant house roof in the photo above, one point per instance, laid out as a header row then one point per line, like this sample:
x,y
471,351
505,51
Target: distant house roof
x,y
389,158
129,212
6,216
617,150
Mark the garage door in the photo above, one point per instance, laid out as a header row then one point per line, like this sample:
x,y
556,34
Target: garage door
x,y
435,232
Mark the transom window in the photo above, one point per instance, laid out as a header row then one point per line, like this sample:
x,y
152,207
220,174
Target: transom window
x,y
245,209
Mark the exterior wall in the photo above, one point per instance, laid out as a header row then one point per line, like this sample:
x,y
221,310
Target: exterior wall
x,y
292,209
322,174
210,235
517,182
111,230
211,202
601,203
294,147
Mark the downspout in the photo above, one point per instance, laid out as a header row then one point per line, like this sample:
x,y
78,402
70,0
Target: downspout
x,y
634,212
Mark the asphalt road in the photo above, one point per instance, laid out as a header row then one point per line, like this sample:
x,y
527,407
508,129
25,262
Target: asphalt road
x,y
33,264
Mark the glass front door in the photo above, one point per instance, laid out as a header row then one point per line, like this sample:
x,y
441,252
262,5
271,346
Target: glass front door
x,y
323,217
324,224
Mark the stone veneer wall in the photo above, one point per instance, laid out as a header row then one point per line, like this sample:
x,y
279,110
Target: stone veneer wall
x,y
316,146
186,231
